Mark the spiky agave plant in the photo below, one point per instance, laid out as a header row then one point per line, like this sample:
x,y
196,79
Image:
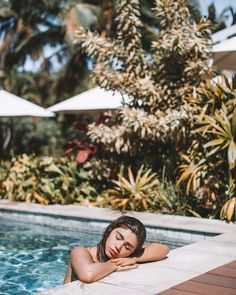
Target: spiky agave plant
x,y
133,193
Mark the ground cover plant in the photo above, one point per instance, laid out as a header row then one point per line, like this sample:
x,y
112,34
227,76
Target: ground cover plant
x,y
44,180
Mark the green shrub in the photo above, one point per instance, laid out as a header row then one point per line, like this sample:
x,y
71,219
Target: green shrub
x,y
44,180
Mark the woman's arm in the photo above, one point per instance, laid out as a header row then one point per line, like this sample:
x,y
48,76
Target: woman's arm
x,y
151,252
86,269
89,271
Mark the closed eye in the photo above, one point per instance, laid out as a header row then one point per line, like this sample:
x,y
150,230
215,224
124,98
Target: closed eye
x,y
119,237
127,247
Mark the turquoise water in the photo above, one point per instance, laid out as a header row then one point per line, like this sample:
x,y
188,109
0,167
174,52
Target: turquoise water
x,y
33,258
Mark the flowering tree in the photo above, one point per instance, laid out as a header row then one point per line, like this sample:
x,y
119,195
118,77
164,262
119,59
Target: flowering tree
x,y
158,83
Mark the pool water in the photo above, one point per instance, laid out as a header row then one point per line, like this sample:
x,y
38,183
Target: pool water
x,y
34,258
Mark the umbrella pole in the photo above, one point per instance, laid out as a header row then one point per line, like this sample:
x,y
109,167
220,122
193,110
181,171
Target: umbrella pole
x,y
8,138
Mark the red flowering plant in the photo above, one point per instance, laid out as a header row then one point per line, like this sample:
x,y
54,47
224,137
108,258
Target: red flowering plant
x,y
82,147
83,151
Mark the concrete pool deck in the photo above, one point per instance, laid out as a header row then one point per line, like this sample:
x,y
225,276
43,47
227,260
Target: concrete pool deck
x,y
182,264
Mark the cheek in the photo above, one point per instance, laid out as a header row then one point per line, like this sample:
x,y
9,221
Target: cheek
x,y
109,243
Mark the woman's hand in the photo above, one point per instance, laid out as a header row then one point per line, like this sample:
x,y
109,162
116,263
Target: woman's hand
x,y
127,267
122,262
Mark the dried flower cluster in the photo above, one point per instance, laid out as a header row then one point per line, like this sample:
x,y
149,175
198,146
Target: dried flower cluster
x,y
158,82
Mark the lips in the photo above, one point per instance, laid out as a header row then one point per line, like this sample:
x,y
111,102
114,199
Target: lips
x,y
113,252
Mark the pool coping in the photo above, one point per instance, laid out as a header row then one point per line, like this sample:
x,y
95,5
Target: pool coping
x,y
182,264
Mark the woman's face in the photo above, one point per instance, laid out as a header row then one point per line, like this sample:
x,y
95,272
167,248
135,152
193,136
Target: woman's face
x,y
121,242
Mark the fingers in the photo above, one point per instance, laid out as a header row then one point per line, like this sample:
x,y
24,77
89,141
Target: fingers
x,y
122,261
127,267
118,261
115,260
133,266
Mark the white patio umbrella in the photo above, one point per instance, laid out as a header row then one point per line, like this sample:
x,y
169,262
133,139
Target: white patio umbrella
x,y
223,34
224,54
92,101
14,106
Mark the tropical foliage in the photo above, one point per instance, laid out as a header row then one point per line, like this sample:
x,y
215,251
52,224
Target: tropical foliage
x,y
145,192
156,122
135,193
45,180
219,21
156,52
209,170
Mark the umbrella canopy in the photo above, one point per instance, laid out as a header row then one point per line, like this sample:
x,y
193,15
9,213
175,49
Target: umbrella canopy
x,y
91,101
14,106
224,54
223,34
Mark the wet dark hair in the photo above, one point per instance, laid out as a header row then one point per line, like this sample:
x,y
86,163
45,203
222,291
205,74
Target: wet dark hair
x,y
126,222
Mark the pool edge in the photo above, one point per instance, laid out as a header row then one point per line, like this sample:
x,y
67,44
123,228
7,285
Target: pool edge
x,y
183,263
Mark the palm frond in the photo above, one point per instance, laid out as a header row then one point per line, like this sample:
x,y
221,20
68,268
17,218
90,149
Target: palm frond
x,y
35,45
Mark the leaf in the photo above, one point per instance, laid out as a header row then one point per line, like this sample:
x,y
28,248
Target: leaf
x,y
231,208
232,155
150,185
185,175
139,174
40,199
185,157
194,213
54,169
214,142
228,210
114,193
144,203
233,124
82,156
131,177
126,183
29,182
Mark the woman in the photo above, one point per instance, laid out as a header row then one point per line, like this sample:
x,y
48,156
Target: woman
x,y
121,248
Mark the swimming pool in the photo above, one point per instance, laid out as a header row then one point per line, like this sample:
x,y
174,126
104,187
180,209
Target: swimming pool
x,y
34,257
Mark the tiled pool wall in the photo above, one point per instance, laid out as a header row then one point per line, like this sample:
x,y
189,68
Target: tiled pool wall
x,y
176,237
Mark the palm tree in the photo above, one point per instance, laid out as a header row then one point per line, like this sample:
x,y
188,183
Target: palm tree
x,y
232,13
218,23
26,28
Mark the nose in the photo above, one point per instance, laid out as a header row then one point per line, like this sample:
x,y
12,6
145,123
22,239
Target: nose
x,y
118,246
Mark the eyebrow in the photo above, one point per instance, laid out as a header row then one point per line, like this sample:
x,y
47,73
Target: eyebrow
x,y
123,239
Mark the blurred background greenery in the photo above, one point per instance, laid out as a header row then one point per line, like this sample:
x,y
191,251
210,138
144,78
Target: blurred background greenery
x,y
40,62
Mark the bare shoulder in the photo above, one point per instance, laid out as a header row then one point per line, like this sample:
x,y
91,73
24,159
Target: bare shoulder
x,y
80,252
